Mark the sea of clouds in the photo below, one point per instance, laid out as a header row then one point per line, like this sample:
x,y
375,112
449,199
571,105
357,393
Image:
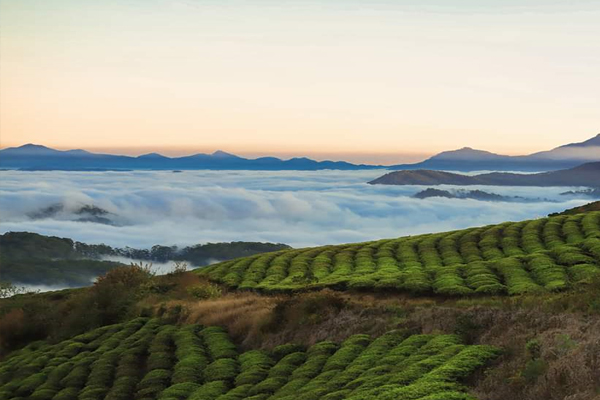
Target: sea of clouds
x,y
297,208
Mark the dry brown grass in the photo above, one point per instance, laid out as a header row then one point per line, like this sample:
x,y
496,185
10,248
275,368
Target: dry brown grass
x,y
242,314
569,342
257,321
569,349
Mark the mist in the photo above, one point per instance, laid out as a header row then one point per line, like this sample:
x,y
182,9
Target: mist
x,y
158,268
297,208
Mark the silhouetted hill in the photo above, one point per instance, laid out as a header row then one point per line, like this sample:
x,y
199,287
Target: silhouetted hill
x,y
468,159
583,175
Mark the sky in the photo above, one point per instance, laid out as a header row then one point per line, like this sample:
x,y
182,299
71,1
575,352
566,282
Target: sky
x,y
368,81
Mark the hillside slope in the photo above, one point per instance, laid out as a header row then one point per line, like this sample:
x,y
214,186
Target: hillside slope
x,y
594,206
583,175
540,255
31,258
143,359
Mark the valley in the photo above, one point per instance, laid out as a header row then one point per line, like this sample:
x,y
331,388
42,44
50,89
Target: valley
x,y
299,200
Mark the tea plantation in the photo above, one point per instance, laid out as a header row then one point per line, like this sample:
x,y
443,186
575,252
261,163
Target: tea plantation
x,y
144,359
548,254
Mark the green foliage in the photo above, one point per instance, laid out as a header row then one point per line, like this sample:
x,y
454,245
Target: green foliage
x,y
119,363
254,367
223,369
218,343
533,348
205,291
283,350
534,369
210,391
549,254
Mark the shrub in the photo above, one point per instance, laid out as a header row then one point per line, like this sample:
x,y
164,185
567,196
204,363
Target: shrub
x,y
179,391
218,343
223,369
209,391
190,369
254,367
283,350
534,369
205,291
237,393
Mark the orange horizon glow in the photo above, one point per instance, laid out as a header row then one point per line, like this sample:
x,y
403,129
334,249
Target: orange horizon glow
x,y
378,157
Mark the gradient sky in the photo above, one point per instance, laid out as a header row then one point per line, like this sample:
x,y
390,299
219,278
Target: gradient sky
x,y
355,79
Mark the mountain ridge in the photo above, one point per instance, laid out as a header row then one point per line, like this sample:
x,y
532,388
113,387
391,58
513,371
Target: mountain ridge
x,y
468,159
34,157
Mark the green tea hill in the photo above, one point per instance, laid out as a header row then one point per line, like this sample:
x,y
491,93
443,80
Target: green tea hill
x,y
594,206
144,359
541,255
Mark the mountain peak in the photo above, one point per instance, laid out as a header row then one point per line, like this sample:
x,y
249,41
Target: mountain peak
x,y
30,149
593,142
223,154
152,155
465,153
32,146
78,152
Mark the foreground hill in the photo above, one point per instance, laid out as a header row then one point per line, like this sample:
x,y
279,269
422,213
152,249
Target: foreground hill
x,y
144,359
583,175
541,255
468,159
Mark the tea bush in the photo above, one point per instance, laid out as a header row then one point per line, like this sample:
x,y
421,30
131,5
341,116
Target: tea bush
x,y
202,364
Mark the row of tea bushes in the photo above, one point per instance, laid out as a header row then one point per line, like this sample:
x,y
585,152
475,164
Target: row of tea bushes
x,y
548,254
143,359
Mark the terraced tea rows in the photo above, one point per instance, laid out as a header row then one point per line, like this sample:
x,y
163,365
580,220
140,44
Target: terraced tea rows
x,y
143,359
546,254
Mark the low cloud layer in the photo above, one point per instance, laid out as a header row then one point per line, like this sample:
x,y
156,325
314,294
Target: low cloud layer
x,y
297,208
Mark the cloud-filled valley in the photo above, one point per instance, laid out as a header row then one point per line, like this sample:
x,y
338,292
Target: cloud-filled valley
x,y
297,208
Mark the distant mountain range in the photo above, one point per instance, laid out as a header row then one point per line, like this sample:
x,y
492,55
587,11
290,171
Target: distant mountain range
x,y
33,157
583,175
